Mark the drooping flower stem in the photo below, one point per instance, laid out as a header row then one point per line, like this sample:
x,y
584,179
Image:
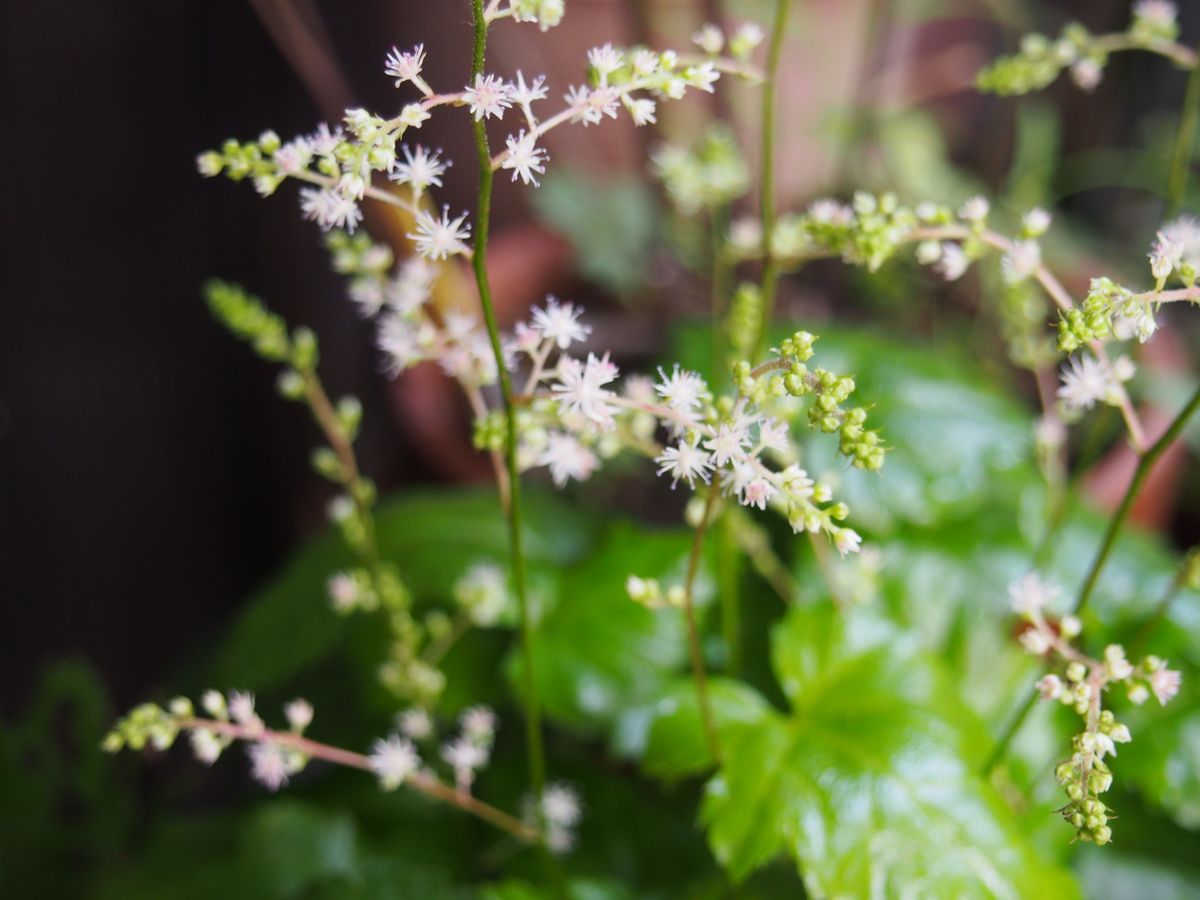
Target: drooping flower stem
x,y
533,717
770,270
1146,461
1185,139
422,782
689,612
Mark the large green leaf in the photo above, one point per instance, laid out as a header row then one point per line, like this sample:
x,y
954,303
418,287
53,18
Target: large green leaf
x,y
869,783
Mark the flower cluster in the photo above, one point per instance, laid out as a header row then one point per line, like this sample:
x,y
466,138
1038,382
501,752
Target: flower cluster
x,y
1085,775
706,176
1041,59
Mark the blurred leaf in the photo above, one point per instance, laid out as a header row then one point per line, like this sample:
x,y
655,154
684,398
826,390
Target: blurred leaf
x,y
677,746
870,783
598,652
612,224
432,536
1119,876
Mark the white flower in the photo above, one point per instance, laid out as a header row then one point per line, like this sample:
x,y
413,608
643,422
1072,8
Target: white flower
x,y
928,252
642,110
560,806
464,757
299,714
1050,687
953,263
525,94
703,76
1036,222
710,39
830,212
489,96
847,540
1029,594
268,765
747,37
580,388
682,390
773,434
323,141
440,238
420,169
478,724
214,704
330,209
975,210
728,444
1165,684
1159,13
567,458
414,115
1021,262
1119,668
604,61
1086,73
294,156
1035,642
589,106
206,746
1181,240
393,761
645,61
1085,381
482,593
758,492
408,291
416,724
241,708
401,344
405,66
1104,745
524,158
686,461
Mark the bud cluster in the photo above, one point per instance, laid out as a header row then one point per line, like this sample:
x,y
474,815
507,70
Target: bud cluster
x,y
1085,775
708,175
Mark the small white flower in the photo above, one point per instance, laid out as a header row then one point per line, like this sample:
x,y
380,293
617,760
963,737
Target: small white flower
x,y
268,765
299,714
682,390
642,110
1158,13
524,158
330,209
1036,222
567,458
1050,687
412,286
1104,745
1035,642
1086,73
847,540
214,704
953,263
414,115
1085,381
604,61
442,238
710,39
728,444
560,806
400,341
524,94
489,96
241,708
405,66
758,493
1120,733
773,434
482,593
206,746
393,761
323,141
590,106
294,156
1138,693
928,252
478,724
975,210
420,169
1029,594
747,37
1165,684
464,757
580,388
684,461
645,61
416,724
1021,262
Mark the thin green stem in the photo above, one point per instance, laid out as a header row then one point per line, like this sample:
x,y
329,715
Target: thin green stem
x,y
1185,138
770,270
689,612
729,570
533,717
1146,461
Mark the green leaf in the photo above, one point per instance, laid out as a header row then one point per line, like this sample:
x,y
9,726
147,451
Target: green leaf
x,y
677,746
870,783
598,652
431,536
